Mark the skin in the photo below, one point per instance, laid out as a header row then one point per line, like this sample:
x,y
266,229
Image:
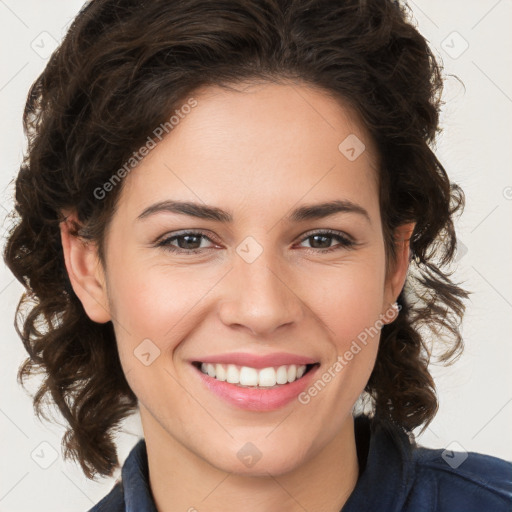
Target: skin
x,y
257,152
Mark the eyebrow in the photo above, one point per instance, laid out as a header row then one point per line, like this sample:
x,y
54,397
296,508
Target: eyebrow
x,y
301,214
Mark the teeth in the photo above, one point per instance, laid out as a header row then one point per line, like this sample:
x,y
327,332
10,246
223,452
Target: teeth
x,y
267,377
247,376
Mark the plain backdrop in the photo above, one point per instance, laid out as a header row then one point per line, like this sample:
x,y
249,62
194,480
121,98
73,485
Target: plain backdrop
x,y
472,40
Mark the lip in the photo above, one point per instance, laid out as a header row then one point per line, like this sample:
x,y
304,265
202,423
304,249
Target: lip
x,y
254,399
256,361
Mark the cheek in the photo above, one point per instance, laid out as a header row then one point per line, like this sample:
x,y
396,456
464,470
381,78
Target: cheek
x,y
151,320
156,303
349,299
349,302
149,299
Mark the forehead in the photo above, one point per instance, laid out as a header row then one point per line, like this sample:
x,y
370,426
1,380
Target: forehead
x,y
272,143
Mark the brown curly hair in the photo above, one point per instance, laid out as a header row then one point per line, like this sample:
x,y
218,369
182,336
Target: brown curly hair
x,y
123,66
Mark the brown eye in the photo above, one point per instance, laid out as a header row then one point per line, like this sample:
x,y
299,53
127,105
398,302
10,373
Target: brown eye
x,y
321,241
187,242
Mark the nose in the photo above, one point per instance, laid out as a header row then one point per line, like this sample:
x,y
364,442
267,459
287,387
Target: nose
x,y
260,297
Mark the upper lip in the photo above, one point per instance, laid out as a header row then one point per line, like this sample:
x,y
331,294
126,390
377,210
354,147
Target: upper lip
x,y
257,361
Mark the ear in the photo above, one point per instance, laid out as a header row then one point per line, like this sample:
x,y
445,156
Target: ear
x,y
396,279
85,271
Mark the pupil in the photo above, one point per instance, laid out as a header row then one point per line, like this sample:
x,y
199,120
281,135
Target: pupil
x,y
316,237
187,244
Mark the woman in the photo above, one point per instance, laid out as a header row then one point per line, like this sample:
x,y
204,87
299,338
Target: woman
x,y
182,157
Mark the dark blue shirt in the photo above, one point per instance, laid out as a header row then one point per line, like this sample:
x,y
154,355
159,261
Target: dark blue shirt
x,y
395,475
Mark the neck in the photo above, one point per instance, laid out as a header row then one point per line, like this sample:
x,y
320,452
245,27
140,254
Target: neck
x,y
182,480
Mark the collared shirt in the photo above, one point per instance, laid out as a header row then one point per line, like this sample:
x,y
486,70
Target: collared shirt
x,y
395,475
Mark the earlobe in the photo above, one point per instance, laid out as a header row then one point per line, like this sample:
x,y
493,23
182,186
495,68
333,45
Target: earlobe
x,y
85,272
396,280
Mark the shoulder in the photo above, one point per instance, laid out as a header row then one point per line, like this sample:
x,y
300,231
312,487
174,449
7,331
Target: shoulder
x,y
451,481
112,502
398,475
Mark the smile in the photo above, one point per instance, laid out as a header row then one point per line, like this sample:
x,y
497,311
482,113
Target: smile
x,y
246,376
265,388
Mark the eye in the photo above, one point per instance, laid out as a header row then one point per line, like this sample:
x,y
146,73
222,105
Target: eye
x,y
187,241
324,238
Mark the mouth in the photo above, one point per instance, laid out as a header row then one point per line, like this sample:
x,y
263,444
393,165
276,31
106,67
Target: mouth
x,y
270,377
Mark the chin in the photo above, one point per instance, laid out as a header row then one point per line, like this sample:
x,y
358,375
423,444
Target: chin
x,y
249,461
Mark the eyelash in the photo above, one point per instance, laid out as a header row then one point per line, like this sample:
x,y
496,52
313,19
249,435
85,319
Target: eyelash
x,y
345,243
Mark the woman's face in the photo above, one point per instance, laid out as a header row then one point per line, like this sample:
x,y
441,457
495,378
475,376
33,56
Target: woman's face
x,y
249,270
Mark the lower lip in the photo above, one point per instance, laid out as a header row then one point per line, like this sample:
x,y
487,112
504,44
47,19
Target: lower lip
x,y
257,399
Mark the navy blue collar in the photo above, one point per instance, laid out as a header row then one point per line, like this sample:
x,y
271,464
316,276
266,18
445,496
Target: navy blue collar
x,y
385,455
135,475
